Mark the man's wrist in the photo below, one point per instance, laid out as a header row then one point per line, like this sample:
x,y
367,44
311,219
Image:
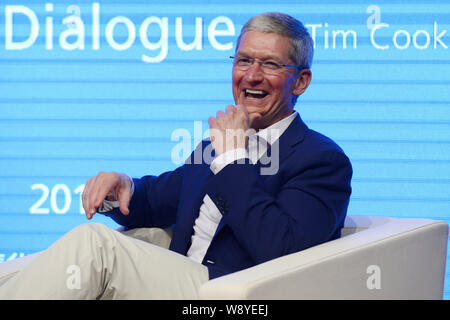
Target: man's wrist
x,y
226,158
111,202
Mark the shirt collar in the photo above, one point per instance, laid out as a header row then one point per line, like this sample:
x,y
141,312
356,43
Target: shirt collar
x,y
274,132
260,141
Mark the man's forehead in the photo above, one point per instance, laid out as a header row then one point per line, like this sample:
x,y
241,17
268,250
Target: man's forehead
x,y
256,43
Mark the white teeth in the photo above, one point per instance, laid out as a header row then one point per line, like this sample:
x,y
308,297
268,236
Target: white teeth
x,y
254,91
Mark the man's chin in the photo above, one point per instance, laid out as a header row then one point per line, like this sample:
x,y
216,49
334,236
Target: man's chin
x,y
256,121
254,114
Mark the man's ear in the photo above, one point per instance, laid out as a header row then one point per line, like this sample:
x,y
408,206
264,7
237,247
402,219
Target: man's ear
x,y
302,82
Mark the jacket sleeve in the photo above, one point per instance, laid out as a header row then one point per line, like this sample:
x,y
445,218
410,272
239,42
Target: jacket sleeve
x,y
308,208
155,199
154,202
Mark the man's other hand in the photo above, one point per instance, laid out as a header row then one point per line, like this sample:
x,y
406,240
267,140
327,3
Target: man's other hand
x,y
115,186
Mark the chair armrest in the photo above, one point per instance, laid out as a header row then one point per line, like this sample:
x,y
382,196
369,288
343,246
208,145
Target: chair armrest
x,y
410,255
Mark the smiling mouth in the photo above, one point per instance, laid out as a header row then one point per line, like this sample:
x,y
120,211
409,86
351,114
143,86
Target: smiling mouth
x,y
258,94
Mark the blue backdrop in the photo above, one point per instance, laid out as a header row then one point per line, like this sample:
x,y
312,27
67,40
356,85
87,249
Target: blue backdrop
x,y
103,86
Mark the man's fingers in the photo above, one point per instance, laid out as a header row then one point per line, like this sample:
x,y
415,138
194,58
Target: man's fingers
x,y
242,111
93,197
124,197
105,183
86,197
229,109
241,108
97,189
212,122
251,117
220,114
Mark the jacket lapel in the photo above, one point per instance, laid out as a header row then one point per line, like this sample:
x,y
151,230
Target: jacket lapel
x,y
293,135
283,147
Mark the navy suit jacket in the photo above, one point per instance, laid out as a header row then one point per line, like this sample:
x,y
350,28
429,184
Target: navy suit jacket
x,y
263,216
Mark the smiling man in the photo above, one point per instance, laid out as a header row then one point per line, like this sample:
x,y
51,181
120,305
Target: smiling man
x,y
227,215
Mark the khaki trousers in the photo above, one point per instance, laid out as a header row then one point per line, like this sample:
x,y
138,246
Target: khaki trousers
x,y
95,262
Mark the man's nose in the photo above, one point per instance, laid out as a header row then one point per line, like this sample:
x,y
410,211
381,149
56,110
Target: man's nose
x,y
254,73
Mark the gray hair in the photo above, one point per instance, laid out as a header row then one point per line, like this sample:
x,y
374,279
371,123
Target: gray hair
x,y
302,46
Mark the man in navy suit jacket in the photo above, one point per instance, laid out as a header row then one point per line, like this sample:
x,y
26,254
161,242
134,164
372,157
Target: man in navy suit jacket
x,y
262,217
264,185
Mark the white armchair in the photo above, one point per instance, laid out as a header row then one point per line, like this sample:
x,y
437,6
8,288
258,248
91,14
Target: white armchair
x,y
376,258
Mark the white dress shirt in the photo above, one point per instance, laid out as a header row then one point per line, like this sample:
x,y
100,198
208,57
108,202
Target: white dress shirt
x,y
209,216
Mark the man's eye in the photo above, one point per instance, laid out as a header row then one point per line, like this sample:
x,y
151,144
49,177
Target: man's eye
x,y
271,65
243,61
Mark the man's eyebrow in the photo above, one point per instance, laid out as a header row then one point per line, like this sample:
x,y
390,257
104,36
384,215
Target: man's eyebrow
x,y
264,57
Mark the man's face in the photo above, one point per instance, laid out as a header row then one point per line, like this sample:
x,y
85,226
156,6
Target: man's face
x,y
262,94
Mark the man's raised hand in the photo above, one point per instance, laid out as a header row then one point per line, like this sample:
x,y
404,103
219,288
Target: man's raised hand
x,y
229,129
